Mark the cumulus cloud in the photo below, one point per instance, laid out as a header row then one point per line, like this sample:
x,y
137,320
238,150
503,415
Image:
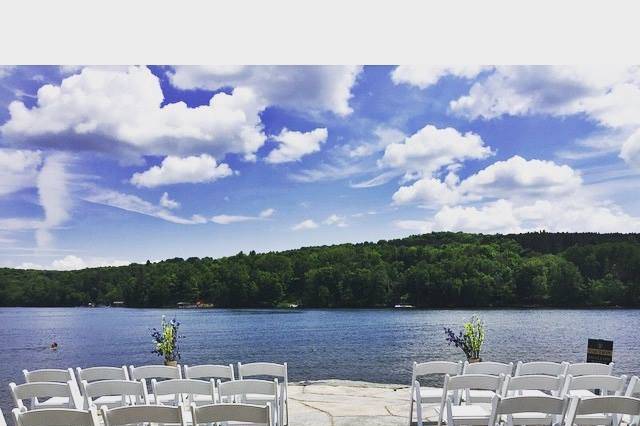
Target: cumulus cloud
x,y
305,88
424,76
225,219
108,109
173,170
630,151
54,197
431,149
608,95
72,262
294,145
334,219
504,216
168,203
305,225
133,203
515,178
18,169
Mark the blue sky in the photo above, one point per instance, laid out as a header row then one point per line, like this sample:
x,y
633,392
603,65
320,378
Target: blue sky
x,y
108,165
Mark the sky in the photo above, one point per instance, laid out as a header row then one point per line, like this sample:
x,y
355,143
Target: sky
x,y
116,164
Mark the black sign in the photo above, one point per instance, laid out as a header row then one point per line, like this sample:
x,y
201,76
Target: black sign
x,y
600,351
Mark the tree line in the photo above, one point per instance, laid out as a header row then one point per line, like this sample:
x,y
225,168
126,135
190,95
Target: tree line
x,y
431,271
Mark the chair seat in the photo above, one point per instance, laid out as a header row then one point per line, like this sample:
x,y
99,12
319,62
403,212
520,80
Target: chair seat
x,y
475,414
200,399
53,402
162,399
110,401
531,392
582,393
593,419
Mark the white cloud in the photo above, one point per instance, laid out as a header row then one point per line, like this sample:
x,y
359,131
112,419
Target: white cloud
x,y
630,152
54,197
294,145
304,225
173,170
18,169
328,172
72,262
225,219
305,88
515,178
609,95
123,109
334,219
424,76
168,203
136,204
431,149
383,136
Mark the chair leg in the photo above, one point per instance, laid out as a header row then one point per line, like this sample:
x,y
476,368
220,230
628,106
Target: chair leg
x,y
410,410
419,412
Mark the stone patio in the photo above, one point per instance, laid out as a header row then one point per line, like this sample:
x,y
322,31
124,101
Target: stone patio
x,y
346,403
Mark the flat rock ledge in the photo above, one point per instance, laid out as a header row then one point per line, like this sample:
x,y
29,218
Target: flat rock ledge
x,y
345,403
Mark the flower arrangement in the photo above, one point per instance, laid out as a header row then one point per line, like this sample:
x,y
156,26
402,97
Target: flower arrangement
x,y
469,339
165,340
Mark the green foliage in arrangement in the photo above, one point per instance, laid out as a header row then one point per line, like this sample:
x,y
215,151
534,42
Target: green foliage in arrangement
x,y
470,339
428,271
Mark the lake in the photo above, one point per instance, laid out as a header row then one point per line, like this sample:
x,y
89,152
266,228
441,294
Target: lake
x,y
371,345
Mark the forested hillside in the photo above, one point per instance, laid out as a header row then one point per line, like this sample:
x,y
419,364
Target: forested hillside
x,y
431,270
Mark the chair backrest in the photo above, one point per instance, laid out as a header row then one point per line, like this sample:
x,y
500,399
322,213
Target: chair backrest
x,y
633,388
473,381
237,390
155,372
614,405
48,375
142,414
541,368
245,413
93,374
35,390
209,371
551,405
265,369
488,367
435,367
514,385
56,417
132,392
181,387
590,369
606,384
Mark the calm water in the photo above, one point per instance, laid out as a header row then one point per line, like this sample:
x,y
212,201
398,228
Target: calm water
x,y
371,345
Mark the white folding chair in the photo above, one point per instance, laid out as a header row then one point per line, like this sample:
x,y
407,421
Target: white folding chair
x,y
223,413
252,391
93,374
528,410
633,390
56,417
55,376
272,371
584,386
143,414
486,367
541,368
208,372
58,393
149,372
533,385
602,410
423,395
184,390
114,393
3,422
590,369
472,412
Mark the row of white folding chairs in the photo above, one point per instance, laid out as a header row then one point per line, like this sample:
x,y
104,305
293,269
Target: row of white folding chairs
x,y
72,398
115,393
145,414
544,371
